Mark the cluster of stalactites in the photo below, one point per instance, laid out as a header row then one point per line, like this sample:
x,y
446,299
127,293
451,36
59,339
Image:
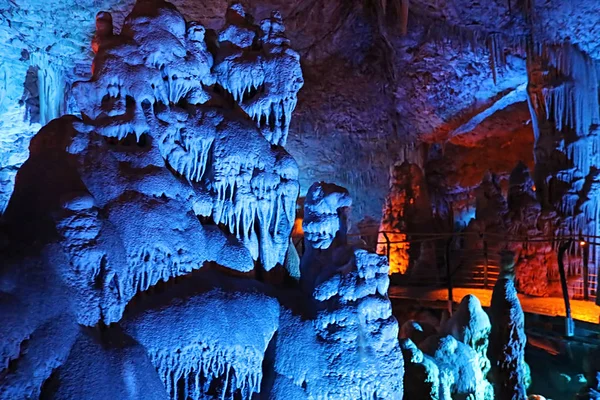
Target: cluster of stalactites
x,y
51,87
197,366
497,44
264,82
251,191
567,99
139,80
569,96
157,58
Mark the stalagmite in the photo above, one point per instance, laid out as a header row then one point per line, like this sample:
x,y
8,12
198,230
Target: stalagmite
x,y
354,351
404,16
509,373
461,361
423,379
471,325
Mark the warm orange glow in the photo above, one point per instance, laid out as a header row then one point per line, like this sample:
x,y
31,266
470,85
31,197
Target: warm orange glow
x,y
582,243
533,188
398,251
297,230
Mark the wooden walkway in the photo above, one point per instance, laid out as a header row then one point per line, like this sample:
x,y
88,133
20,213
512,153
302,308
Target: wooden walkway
x,y
581,310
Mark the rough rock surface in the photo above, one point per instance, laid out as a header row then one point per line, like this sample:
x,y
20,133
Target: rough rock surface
x,y
509,373
351,349
138,234
471,325
407,211
592,374
461,361
423,379
336,39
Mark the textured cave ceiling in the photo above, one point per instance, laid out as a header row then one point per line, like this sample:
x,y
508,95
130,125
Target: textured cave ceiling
x,y
371,93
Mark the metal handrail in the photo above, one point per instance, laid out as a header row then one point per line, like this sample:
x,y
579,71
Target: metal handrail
x,y
585,291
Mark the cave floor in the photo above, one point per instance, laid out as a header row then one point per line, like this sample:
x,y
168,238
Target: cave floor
x,y
585,311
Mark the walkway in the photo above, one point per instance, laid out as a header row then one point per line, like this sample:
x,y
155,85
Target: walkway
x,y
581,310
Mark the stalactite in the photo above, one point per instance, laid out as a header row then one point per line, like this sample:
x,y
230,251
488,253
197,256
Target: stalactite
x,y
573,102
404,17
469,39
493,50
4,77
528,9
195,368
51,85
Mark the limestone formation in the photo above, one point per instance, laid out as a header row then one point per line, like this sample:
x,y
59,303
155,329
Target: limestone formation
x,y
407,211
353,339
471,325
423,379
461,361
509,372
137,236
592,374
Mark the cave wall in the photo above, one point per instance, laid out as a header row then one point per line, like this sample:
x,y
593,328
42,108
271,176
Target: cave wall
x,y
370,92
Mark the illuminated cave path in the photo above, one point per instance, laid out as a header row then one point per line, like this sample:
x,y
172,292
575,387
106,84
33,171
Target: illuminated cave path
x,y
585,311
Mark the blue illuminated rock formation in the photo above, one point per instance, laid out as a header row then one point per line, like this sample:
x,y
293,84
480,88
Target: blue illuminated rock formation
x,y
135,234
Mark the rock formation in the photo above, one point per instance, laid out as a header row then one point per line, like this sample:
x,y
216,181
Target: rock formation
x,y
534,259
136,234
423,378
592,374
509,372
355,330
407,211
471,325
146,203
461,361
563,99
452,363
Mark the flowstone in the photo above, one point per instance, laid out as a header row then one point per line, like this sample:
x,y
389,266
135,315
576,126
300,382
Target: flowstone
x,y
149,85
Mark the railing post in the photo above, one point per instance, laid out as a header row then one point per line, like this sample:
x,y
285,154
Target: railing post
x,y
485,266
586,270
387,246
569,325
449,276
